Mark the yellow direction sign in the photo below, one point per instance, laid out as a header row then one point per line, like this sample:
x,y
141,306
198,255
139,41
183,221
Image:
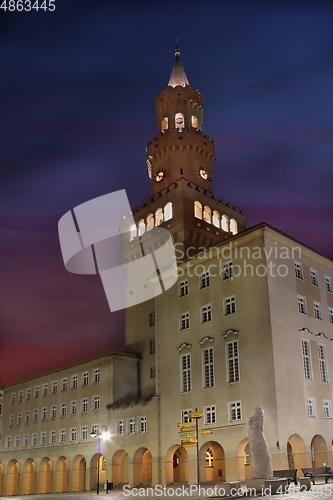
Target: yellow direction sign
x,y
195,414
191,437
188,443
186,424
205,431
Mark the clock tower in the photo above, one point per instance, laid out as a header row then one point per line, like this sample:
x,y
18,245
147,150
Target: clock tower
x,y
180,165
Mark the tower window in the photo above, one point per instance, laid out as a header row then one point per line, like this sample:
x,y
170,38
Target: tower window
x,y
168,211
216,218
132,232
194,122
164,124
225,223
158,217
142,227
179,122
207,214
197,210
150,222
233,226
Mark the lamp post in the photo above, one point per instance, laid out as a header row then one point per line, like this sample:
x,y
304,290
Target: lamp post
x,y
99,434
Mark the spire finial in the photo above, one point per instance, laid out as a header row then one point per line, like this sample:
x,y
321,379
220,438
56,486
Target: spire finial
x,y
178,75
177,51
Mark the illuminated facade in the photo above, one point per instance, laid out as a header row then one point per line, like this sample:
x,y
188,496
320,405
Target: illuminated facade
x,y
249,323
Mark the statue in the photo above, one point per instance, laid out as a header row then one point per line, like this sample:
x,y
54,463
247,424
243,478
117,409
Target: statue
x,y
258,446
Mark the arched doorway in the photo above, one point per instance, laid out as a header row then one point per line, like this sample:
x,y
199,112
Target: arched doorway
x,y
120,467
45,476
13,478
244,460
29,477
296,452
79,473
97,467
318,451
1,479
142,467
212,464
176,464
61,483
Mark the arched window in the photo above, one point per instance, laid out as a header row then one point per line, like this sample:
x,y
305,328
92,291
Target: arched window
x,y
142,227
197,210
216,218
179,121
225,223
168,211
158,216
194,121
247,454
209,458
233,226
207,214
164,124
150,222
132,232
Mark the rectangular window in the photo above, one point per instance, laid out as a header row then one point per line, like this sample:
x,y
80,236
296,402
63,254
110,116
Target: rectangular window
x,y
36,391
53,412
12,398
45,389
120,425
301,304
330,314
317,310
209,415
152,346
11,420
74,382
204,280
228,271
328,284
34,439
95,403
184,321
27,417
8,442
64,384
43,437
185,367
35,418
310,404
314,277
84,405
95,429
28,394
73,433
131,425
152,319
298,270
208,367
19,419
327,408
229,305
185,416
20,396
17,441
73,407
235,411
322,363
63,409
232,361
307,365
142,423
183,288
85,378
62,436
97,375
206,313
53,436
54,387
44,414
152,371
84,432
26,440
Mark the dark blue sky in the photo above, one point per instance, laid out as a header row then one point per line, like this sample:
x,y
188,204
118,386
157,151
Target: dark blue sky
x,y
78,88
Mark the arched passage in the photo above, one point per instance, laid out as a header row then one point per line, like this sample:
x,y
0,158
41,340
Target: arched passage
x,y
142,467
176,463
97,468
29,477
318,451
212,464
296,452
61,483
79,473
13,478
45,476
120,467
244,460
1,479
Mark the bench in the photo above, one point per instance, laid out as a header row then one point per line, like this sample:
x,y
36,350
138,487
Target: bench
x,y
289,474
313,472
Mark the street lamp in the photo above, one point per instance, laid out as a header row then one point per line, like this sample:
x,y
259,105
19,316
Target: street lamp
x,y
100,433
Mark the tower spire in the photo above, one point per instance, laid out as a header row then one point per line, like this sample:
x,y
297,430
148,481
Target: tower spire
x,y
178,75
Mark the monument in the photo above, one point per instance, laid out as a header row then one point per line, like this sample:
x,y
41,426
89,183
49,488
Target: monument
x,y
258,445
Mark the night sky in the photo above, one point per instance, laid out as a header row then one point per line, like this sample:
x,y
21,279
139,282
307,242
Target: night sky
x,y
77,108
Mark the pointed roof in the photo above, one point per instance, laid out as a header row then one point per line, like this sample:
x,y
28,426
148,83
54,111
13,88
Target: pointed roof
x,y
178,75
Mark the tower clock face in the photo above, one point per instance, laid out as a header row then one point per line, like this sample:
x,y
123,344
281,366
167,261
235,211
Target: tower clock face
x,y
159,176
203,174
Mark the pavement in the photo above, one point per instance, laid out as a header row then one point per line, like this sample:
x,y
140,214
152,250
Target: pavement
x,y
318,491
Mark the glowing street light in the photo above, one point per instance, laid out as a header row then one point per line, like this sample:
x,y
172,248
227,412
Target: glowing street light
x,y
100,434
